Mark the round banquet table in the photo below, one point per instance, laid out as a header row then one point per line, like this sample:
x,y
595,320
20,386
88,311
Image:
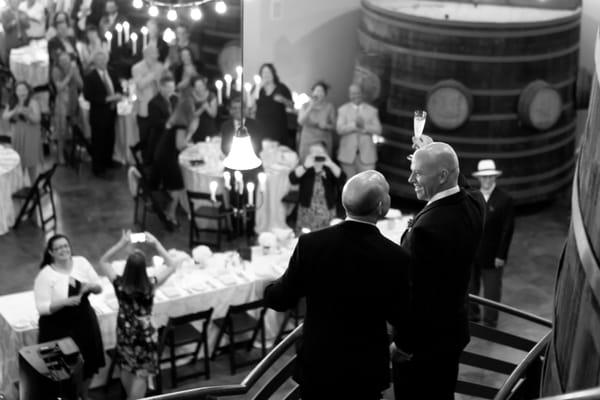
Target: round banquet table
x,y
11,180
31,63
126,132
271,212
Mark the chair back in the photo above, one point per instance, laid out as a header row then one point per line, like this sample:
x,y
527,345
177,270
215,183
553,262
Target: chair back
x,y
242,308
173,322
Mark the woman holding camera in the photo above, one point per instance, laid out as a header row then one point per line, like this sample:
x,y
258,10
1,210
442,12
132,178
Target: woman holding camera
x,y
61,291
137,347
320,181
317,118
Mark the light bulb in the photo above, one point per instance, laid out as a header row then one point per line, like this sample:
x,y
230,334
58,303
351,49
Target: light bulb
x,y
172,15
138,4
220,7
153,11
168,35
196,14
144,30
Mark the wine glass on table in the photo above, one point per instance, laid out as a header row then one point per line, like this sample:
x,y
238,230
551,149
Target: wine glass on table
x,y
419,119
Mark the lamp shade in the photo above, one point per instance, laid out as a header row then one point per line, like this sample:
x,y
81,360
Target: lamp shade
x,y
242,156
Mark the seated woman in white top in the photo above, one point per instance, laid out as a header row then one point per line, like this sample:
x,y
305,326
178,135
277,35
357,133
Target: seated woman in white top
x,y
61,291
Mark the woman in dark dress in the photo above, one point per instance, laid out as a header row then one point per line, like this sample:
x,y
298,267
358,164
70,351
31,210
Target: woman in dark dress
x,y
205,110
61,291
137,346
165,169
273,99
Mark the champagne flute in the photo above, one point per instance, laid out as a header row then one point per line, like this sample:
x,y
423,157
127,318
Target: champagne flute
x,y
419,119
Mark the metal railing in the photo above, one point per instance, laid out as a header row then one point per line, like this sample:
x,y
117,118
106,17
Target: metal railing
x,y
519,382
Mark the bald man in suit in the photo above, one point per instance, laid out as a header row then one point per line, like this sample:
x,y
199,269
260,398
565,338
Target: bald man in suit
x,y
442,244
354,280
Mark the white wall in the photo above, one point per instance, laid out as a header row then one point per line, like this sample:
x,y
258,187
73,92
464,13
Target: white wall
x,y
310,40
590,21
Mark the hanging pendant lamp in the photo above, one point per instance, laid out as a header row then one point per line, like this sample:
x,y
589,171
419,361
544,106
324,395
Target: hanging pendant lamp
x,y
241,157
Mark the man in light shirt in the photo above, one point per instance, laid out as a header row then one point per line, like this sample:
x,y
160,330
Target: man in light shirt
x,y
442,243
146,73
357,122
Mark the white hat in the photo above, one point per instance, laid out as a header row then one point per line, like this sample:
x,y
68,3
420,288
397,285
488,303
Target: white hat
x,y
486,168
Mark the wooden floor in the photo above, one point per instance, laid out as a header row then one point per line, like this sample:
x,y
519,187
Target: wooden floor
x,y
93,211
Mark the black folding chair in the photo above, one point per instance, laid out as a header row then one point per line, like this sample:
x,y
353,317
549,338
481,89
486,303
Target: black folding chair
x,y
179,332
236,322
34,196
144,190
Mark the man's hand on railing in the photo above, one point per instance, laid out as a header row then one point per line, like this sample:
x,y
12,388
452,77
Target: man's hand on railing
x,y
397,355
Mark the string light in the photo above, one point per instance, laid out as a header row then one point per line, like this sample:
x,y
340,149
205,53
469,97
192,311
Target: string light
x,y
172,15
153,11
196,14
220,7
137,4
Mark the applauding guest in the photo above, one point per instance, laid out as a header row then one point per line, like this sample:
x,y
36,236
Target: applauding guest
x,y
102,89
61,292
343,271
273,99
317,118
24,116
205,110
320,182
137,351
356,124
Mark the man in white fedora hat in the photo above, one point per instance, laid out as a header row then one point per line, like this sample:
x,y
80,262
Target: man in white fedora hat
x,y
495,242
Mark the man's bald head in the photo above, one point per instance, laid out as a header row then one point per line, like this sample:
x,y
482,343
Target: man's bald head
x,y
366,195
434,168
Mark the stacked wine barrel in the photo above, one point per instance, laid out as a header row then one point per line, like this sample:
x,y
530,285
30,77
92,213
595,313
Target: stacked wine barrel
x,y
497,82
572,360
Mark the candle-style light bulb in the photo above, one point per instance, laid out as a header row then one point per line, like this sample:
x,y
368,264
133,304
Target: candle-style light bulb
x,y
213,190
250,188
262,181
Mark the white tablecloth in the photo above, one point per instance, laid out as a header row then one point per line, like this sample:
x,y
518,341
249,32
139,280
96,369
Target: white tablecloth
x,y
11,180
197,178
271,212
126,133
31,63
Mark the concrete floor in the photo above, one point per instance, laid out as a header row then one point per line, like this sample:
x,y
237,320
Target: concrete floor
x,y
92,212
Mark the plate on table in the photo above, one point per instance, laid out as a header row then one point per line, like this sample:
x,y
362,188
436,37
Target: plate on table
x,y
21,325
171,292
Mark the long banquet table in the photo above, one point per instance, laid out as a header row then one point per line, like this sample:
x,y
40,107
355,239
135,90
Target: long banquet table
x,y
221,281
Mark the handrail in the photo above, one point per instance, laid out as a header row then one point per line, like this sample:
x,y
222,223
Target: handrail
x,y
248,382
513,380
587,394
511,310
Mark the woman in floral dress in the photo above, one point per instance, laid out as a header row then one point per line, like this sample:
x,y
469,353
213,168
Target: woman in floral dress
x,y
320,181
137,348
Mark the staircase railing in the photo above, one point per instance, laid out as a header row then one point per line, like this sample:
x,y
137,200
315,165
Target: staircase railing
x,y
523,379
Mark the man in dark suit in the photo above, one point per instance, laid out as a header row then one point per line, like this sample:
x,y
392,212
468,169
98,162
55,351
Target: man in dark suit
x,y
354,280
102,90
497,235
160,108
232,124
442,243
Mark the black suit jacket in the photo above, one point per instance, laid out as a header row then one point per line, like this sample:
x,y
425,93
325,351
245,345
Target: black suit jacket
x,y
442,244
228,130
158,115
354,280
498,229
95,92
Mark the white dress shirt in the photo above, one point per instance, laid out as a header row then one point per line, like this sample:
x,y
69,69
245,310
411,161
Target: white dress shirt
x,y
443,194
51,285
360,221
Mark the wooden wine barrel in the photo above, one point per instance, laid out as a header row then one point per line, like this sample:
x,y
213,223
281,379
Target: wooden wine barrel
x,y
572,359
493,55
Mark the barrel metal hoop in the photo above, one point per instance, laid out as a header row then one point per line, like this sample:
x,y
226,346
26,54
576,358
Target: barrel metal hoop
x,y
501,59
414,26
480,92
588,259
